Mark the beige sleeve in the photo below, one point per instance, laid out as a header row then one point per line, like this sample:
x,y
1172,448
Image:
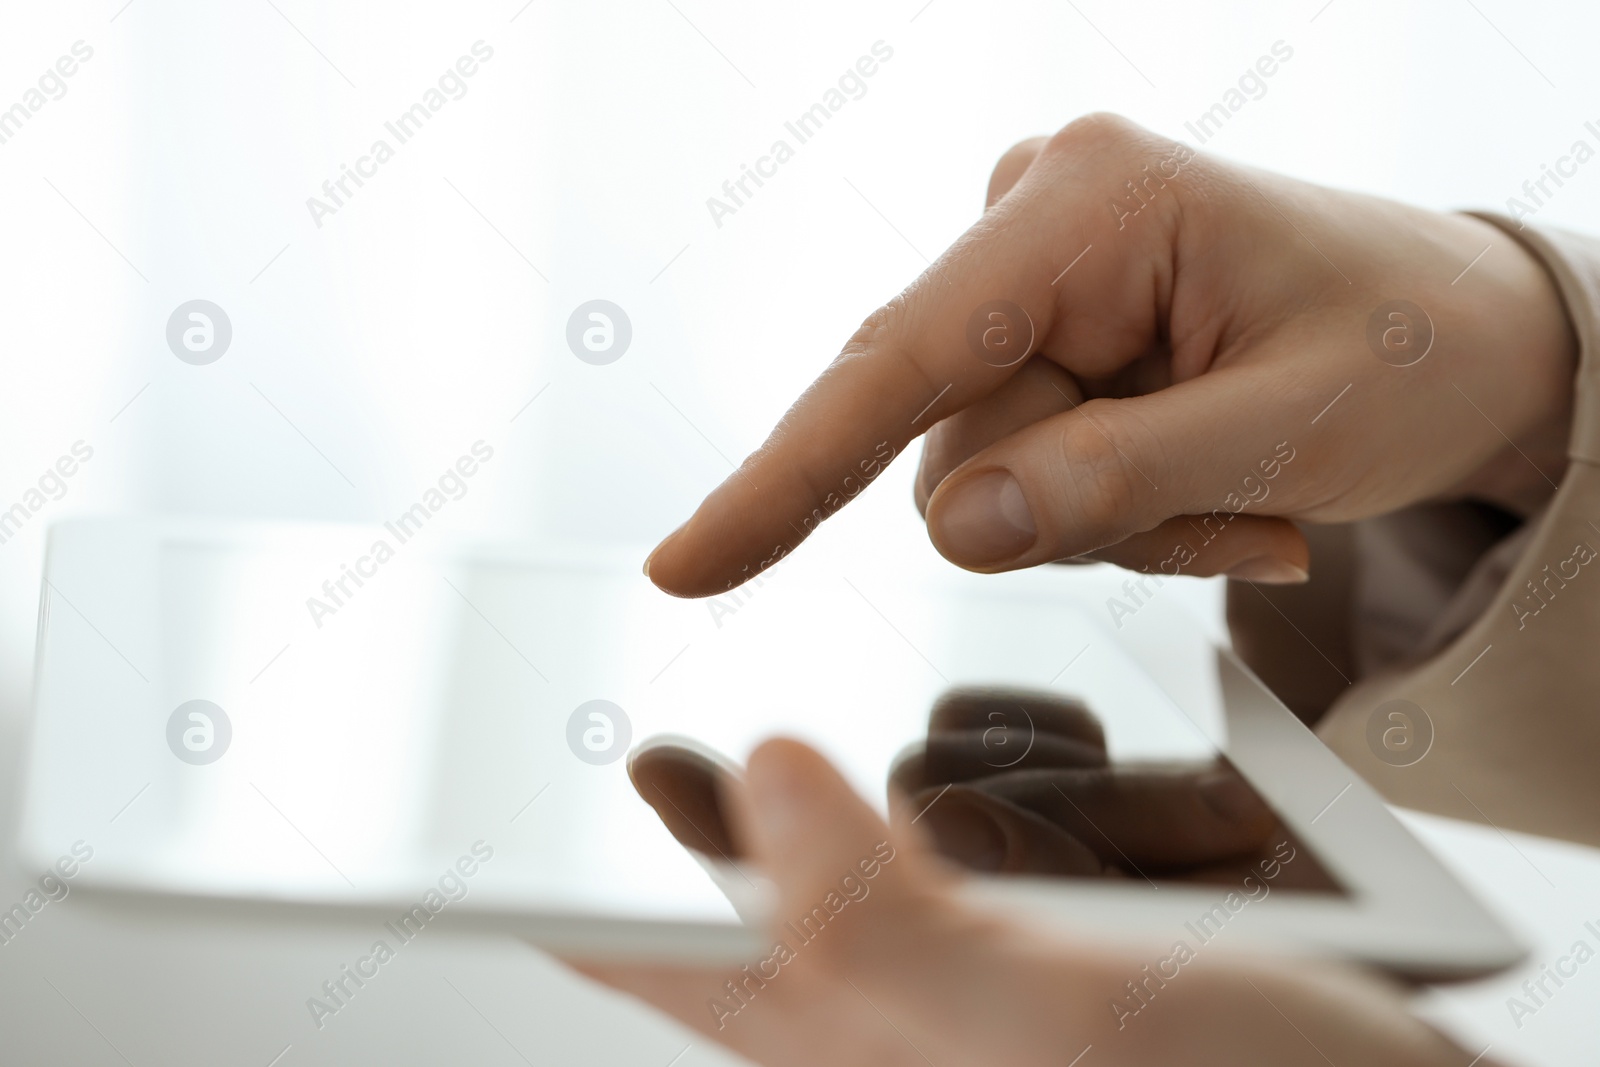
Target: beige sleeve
x,y
1573,260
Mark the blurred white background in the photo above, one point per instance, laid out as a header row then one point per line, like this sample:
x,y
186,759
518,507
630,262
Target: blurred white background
x,y
371,351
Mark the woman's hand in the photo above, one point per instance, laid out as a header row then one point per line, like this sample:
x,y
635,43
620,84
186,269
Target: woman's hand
x,y
882,963
1157,358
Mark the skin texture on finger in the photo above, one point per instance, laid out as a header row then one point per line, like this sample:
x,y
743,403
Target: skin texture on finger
x,y
1039,390
1150,817
1259,548
911,363
1243,546
1082,481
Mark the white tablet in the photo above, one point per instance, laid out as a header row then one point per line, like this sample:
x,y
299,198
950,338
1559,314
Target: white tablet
x,y
336,722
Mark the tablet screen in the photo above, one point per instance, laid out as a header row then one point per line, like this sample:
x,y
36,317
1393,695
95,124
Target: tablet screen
x,y
337,714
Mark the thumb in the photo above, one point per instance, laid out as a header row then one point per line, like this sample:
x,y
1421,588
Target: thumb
x,y
1172,482
834,861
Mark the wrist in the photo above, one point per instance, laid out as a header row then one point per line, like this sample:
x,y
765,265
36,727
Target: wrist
x,y
1533,350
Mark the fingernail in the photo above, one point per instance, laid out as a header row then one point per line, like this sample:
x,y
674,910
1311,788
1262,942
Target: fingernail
x,y
985,519
964,832
1268,570
1230,796
665,541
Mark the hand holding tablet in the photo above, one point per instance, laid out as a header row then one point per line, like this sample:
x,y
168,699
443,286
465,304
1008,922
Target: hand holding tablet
x,y
905,966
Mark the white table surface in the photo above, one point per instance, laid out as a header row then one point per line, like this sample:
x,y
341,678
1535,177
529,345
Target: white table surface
x,y
1546,890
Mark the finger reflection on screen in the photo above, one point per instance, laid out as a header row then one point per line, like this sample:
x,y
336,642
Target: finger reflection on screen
x,y
1014,781
1019,781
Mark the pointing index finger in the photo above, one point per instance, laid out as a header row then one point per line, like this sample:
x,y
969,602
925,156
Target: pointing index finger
x,y
922,356
960,331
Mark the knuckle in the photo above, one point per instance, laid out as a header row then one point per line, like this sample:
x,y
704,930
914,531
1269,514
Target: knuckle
x,y
1095,133
882,328
896,332
1019,155
1099,477
875,326
1011,166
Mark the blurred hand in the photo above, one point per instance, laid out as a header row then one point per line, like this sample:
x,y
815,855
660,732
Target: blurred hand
x,y
1173,330
907,973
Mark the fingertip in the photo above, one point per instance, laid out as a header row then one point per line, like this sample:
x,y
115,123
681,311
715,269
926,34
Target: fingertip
x,y
786,778
720,547
684,566
800,809
662,566
1282,558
